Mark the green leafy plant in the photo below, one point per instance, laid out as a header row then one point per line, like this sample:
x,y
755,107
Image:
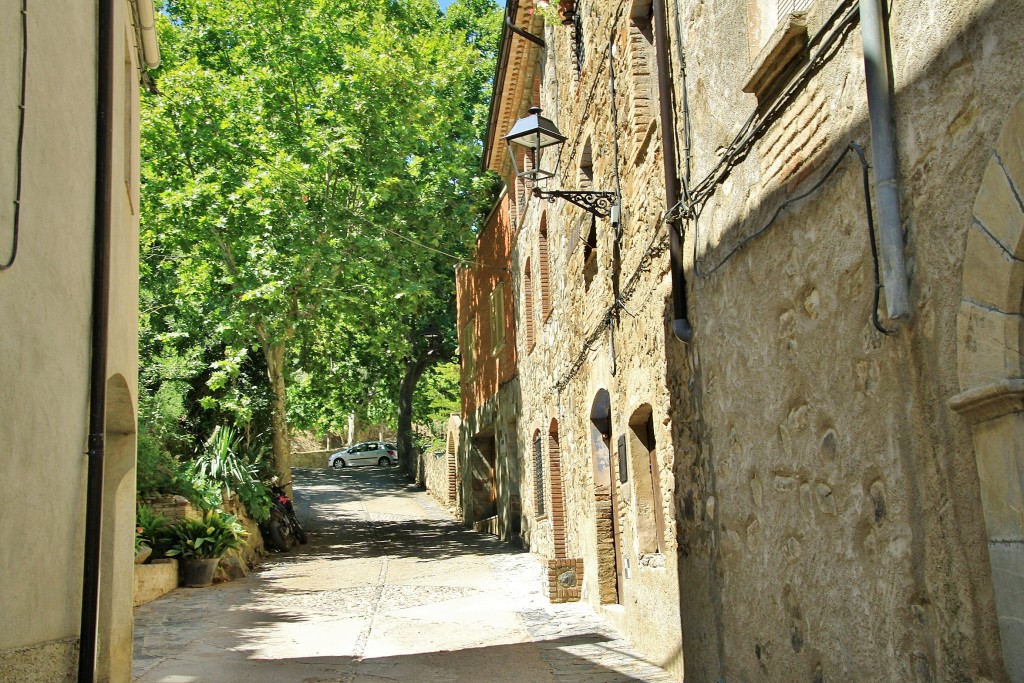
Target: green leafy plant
x,y
150,528
222,464
206,538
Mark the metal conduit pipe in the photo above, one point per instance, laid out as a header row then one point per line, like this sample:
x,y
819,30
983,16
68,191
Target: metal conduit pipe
x,y
146,17
98,365
680,323
536,40
883,156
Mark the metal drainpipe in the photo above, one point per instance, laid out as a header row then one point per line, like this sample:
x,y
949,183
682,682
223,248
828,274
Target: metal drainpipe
x,y
883,156
98,369
680,324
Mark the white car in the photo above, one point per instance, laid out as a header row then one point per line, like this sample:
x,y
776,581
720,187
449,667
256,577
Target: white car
x,y
365,453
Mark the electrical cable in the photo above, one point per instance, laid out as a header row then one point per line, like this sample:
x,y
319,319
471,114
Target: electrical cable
x,y
21,140
856,149
826,38
871,233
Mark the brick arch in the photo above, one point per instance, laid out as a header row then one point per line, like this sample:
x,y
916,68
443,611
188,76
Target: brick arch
x,y
990,369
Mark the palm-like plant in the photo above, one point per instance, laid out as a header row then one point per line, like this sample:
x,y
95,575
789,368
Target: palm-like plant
x,y
206,538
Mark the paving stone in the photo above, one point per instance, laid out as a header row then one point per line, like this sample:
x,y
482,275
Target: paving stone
x,y
390,588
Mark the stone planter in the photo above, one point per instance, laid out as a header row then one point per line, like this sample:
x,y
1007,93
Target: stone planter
x,y
198,572
155,580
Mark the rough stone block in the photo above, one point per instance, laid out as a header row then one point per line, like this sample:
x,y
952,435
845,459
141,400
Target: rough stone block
x,y
991,278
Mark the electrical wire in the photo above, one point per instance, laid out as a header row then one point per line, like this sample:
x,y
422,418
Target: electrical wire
x,y
825,39
859,152
458,259
21,140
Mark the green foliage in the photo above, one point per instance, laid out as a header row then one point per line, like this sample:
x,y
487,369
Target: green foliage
x,y
222,464
310,178
150,528
209,537
437,398
156,469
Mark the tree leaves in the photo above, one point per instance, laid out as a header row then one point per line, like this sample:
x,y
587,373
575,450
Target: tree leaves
x,y
299,158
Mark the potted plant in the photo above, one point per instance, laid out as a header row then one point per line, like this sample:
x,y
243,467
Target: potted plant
x,y
200,543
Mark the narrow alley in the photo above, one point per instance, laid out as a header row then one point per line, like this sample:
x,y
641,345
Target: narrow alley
x,y
390,588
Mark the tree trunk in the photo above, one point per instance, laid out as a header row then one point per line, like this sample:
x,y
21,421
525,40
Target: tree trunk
x,y
274,353
406,389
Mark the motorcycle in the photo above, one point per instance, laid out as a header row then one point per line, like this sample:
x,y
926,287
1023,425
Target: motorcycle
x,y
282,529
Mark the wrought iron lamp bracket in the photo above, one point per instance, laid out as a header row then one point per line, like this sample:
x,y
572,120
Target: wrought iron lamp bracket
x,y
597,203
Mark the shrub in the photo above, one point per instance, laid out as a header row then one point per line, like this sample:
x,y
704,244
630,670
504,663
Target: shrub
x,y
206,538
152,529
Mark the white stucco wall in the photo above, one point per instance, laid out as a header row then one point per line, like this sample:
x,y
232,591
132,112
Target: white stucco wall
x,y
45,323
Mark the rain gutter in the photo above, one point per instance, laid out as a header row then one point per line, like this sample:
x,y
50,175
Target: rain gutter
x,y
878,79
681,327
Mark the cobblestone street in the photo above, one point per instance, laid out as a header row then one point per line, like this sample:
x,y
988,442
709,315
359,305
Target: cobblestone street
x,y
390,588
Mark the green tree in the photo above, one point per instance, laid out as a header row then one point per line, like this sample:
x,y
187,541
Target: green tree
x,y
310,177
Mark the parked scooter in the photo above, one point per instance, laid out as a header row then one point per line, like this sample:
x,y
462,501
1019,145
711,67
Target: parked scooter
x,y
282,529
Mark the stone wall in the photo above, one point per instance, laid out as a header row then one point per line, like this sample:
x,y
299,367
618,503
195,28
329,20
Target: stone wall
x,y
489,465
827,493
154,580
817,495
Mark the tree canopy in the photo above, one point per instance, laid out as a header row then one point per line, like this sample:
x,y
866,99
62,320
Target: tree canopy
x,y
310,179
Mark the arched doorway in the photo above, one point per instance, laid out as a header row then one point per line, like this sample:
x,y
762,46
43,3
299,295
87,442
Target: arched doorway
x,y
992,373
606,517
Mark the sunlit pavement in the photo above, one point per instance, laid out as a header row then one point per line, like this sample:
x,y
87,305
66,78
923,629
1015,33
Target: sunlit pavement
x,y
390,588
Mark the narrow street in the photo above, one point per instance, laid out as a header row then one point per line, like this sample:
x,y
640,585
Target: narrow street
x,y
390,588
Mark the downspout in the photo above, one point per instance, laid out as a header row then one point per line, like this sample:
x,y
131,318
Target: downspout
x,y
680,324
536,40
883,155
98,369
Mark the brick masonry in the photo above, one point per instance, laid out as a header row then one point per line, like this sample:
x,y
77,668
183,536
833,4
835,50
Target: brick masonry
x,y
565,579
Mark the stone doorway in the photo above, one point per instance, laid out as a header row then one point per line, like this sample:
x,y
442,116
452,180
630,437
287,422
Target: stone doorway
x,y
484,473
991,372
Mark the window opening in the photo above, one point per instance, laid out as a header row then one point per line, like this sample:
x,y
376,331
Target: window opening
x,y
557,499
590,254
538,473
643,460
579,50
544,269
528,306
642,72
497,309
586,176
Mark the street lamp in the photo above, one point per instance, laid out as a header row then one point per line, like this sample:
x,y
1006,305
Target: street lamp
x,y
535,132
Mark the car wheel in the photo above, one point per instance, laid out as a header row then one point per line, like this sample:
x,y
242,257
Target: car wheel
x,y
383,462
339,463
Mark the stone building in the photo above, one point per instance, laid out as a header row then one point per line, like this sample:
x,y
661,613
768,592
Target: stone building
x,y
69,231
770,402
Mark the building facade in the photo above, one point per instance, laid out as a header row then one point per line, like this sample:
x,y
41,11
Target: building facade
x,y
824,479
485,460
49,223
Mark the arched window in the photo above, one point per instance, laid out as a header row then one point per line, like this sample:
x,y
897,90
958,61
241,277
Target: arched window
x,y
544,269
528,306
538,474
609,561
642,73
